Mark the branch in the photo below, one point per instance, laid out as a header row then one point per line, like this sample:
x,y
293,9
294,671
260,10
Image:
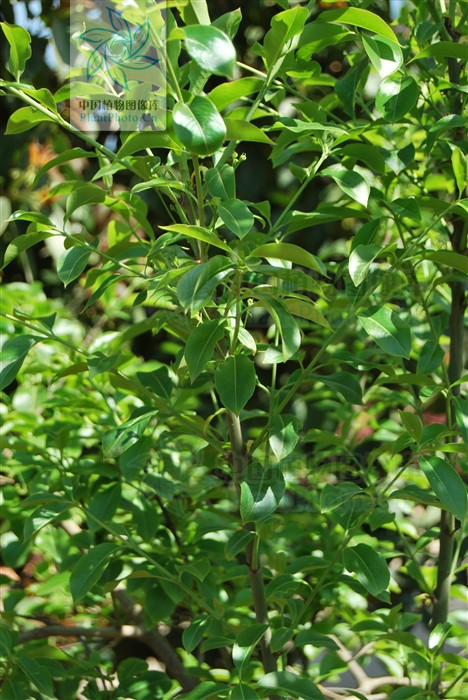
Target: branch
x,y
65,631
157,642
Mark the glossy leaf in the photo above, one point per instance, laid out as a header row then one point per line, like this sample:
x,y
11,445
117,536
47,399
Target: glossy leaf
x,y
447,485
283,435
238,542
284,26
20,47
158,381
396,97
448,258
369,566
384,54
195,288
89,569
291,252
207,690
235,380
192,635
198,233
350,182
387,329
261,492
345,383
24,119
460,168
360,261
306,309
221,182
227,93
12,355
200,345
236,216
245,644
37,673
301,688
211,49
44,515
244,692
359,18
116,441
444,49
430,358
240,130
199,126
72,263
87,194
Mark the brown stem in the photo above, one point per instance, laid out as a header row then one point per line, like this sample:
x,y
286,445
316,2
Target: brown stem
x,y
157,642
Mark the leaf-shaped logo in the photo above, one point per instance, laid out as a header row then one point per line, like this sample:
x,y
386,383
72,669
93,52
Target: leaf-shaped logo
x,y
119,49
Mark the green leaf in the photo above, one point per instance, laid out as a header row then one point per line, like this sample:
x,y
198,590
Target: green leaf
x,y
461,414
359,18
199,126
460,168
235,381
396,97
195,288
25,118
369,155
291,252
387,329
444,49
301,688
20,47
412,424
201,344
89,569
158,381
446,484
240,130
345,383
211,49
360,261
192,636
12,356
116,441
261,492
369,566
347,501
317,36
98,364
72,263
283,435
384,54
206,691
199,233
64,157
285,323
448,258
238,542
21,243
284,27
87,194
103,505
244,692
406,208
43,515
430,358
227,93
245,644
140,141
221,182
236,216
350,182
306,309
38,675
279,638
320,641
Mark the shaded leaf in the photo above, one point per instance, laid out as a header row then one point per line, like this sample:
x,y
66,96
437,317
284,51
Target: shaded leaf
x,y
201,344
369,566
12,356
235,380
301,688
447,485
350,182
89,569
261,492
388,331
